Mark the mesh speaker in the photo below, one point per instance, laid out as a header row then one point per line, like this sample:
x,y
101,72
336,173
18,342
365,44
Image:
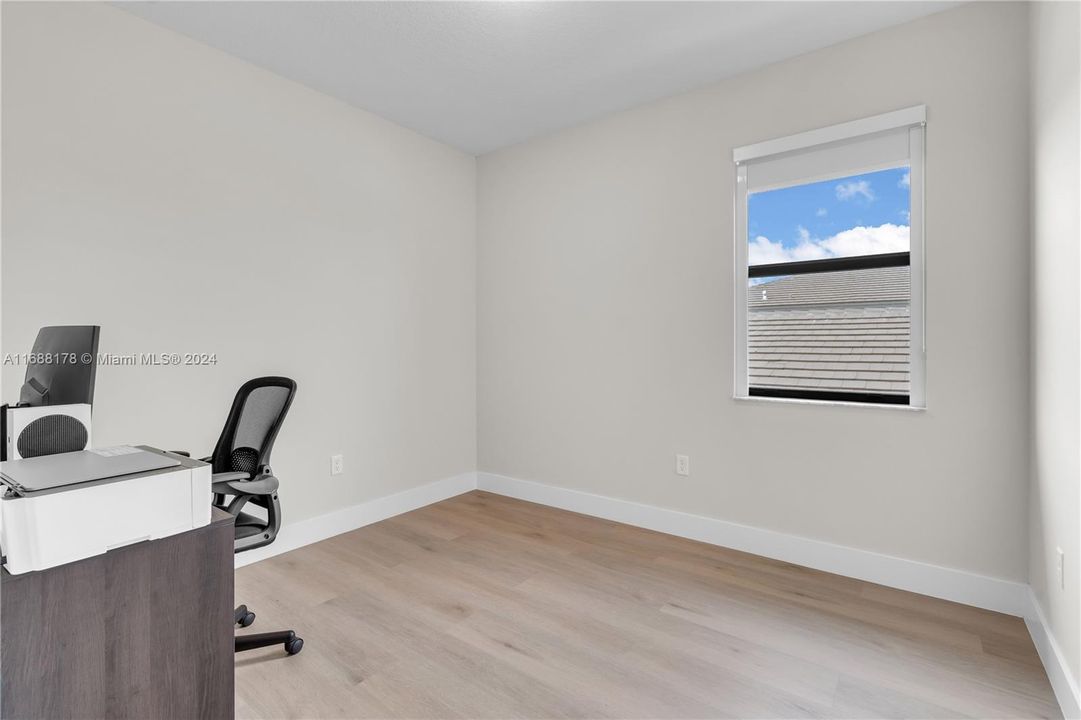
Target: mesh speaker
x,y
52,434
244,459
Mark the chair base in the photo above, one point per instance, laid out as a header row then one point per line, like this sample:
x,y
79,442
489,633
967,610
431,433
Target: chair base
x,y
243,617
286,638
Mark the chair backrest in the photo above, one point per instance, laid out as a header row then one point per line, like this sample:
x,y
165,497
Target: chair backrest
x,y
253,423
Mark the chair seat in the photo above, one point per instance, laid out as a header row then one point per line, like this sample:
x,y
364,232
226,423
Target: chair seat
x,y
249,525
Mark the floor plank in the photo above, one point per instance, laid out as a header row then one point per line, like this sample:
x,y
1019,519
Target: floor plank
x,y
483,606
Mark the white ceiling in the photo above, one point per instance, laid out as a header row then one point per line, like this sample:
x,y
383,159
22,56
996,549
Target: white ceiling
x,y
483,75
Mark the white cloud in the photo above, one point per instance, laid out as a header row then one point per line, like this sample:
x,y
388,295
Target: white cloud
x,y
852,188
821,212
868,240
762,251
905,180
855,241
808,251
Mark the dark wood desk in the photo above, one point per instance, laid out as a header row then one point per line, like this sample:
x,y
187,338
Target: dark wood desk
x,y
144,631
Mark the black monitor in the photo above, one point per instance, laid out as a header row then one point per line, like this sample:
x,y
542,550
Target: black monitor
x,y
62,366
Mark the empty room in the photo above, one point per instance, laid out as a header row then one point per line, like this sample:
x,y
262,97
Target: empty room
x,y
539,359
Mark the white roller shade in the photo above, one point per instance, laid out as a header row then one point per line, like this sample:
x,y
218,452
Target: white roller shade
x,y
866,145
845,157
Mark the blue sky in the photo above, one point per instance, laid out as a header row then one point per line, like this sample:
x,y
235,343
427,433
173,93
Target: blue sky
x,y
855,215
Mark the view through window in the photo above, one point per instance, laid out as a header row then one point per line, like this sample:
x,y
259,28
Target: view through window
x,y
828,296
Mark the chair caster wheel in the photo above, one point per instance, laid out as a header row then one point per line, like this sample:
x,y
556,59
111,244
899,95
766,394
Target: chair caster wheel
x,y
247,620
294,646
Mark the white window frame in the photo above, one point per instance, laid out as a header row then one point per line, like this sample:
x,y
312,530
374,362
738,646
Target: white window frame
x,y
913,118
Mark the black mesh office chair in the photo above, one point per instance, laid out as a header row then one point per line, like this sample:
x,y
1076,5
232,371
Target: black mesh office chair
x,y
242,479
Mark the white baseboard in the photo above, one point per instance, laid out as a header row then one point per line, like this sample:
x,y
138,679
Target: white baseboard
x,y
305,532
957,585
1058,672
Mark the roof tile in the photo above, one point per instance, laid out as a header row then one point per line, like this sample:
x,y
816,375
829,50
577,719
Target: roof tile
x,y
845,331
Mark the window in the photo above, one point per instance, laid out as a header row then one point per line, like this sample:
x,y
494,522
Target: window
x,y
829,264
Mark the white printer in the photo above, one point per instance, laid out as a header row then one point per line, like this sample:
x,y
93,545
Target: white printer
x,y
56,509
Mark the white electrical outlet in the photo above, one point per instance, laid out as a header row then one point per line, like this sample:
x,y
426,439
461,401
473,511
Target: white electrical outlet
x,y
1061,568
683,465
336,464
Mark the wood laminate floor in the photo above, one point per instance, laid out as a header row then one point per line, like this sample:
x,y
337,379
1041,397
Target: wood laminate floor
x,y
486,607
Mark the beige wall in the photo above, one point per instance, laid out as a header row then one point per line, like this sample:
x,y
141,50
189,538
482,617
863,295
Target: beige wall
x,y
1055,503
605,307
188,201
